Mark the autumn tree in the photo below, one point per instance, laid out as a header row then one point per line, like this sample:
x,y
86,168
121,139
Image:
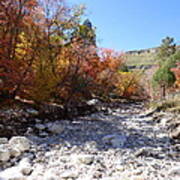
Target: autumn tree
x,y
15,53
81,66
55,21
110,63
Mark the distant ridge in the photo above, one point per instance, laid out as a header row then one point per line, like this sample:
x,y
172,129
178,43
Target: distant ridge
x,y
143,57
149,50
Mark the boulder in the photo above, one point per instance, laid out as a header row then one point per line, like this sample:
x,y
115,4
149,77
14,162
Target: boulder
x,y
19,142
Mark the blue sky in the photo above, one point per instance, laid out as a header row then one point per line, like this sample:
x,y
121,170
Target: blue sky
x,y
133,24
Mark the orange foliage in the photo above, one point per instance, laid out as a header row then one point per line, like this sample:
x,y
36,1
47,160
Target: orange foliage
x,y
110,62
127,84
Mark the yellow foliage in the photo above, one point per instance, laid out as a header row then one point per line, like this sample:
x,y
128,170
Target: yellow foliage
x,y
43,86
127,83
22,48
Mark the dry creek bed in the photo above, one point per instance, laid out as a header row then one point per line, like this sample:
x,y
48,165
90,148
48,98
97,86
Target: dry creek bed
x,y
125,143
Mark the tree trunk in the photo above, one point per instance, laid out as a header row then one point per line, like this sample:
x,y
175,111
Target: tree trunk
x,y
163,92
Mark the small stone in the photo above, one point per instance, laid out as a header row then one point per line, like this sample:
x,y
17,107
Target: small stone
x,y
12,173
84,159
143,152
15,152
25,166
38,121
43,134
138,172
119,168
175,172
91,146
175,133
69,174
40,126
148,113
4,153
3,141
19,142
164,121
55,128
110,178
137,178
37,170
117,141
33,112
92,102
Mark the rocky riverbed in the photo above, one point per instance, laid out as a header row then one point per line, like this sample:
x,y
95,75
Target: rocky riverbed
x,y
122,143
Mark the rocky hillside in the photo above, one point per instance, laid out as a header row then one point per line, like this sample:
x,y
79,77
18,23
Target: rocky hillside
x,y
142,58
139,58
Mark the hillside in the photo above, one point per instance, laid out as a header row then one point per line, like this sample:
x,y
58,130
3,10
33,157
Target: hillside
x,y
141,57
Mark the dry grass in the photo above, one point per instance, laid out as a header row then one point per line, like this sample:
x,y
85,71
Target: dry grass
x,y
170,105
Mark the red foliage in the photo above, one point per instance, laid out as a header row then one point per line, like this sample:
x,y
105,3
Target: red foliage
x,y
176,71
14,72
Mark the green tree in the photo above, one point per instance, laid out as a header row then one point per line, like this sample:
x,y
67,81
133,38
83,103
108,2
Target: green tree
x,y
168,57
175,58
167,48
164,77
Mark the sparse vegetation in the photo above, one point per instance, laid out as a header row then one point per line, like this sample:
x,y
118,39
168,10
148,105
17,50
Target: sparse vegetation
x,y
170,105
139,58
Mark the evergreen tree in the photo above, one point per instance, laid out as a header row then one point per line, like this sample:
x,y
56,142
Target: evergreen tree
x,y
85,33
168,57
164,77
167,48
